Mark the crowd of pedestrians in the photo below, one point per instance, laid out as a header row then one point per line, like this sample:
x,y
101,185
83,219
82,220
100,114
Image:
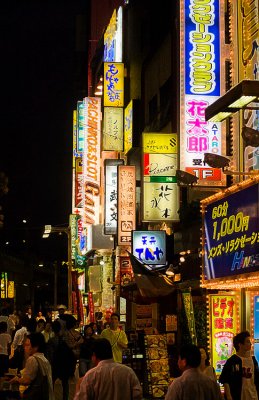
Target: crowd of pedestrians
x,y
42,351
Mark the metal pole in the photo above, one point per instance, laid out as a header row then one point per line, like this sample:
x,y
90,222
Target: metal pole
x,y
69,271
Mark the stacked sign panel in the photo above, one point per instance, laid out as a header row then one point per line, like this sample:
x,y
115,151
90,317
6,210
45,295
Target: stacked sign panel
x,y
201,65
160,190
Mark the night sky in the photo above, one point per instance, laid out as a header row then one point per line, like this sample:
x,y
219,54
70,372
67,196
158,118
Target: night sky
x,y
39,68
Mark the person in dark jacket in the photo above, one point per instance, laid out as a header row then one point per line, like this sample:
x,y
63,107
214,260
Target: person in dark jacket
x,y
85,360
240,374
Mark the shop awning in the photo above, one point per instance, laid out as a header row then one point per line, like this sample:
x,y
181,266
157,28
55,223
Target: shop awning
x,y
150,283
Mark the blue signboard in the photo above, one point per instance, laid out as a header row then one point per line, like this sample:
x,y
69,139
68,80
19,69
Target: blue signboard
x,y
149,247
232,234
256,327
202,48
80,126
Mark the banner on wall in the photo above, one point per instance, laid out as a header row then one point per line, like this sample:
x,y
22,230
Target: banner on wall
x,y
223,326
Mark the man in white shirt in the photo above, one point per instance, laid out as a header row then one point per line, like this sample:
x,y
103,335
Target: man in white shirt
x,y
192,384
108,380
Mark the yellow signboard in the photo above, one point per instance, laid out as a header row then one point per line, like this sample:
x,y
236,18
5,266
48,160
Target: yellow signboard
x,y
163,143
223,327
109,34
128,127
113,84
10,290
248,37
113,128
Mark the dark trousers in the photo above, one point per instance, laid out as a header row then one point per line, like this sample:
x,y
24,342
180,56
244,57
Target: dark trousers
x,y
4,364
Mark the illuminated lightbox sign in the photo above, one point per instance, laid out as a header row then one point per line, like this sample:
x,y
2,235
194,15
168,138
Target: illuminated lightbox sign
x,y
161,199
232,235
160,189
200,75
79,183
4,285
159,143
126,203
113,38
160,164
91,160
75,152
223,327
113,84
149,247
128,127
111,196
80,126
113,129
255,301
248,58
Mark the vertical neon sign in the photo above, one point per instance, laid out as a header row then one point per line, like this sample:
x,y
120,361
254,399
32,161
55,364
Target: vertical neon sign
x,y
200,86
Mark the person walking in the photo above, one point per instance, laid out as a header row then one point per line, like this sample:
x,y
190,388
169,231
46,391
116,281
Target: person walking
x,y
61,358
37,372
108,380
192,384
117,337
240,374
86,351
205,366
5,346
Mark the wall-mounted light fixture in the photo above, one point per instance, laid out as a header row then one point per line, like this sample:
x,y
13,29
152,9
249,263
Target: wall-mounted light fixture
x,y
237,98
216,161
185,178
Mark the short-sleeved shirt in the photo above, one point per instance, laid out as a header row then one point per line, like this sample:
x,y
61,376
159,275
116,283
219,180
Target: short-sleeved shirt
x,y
5,339
115,338
248,387
194,385
110,381
31,370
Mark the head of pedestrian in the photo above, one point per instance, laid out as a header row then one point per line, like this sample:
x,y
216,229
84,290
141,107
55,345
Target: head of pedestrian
x,y
242,342
189,357
205,358
102,350
114,323
40,325
34,343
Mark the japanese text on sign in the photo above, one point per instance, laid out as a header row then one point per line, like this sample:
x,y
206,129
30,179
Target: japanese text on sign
x,y
231,234
126,203
223,319
114,84
149,246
